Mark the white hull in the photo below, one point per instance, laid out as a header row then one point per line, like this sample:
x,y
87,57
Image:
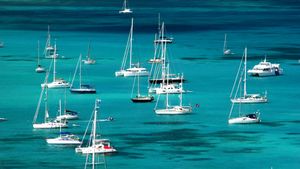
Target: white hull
x,y
262,73
90,150
174,110
136,72
126,11
40,70
249,100
243,120
50,125
67,117
89,61
56,84
119,73
61,141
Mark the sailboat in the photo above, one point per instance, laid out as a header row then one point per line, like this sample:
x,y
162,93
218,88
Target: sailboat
x,y
64,138
242,76
49,51
88,59
134,69
83,88
95,145
39,68
162,38
226,51
172,78
57,82
67,114
173,110
125,8
140,98
48,123
243,118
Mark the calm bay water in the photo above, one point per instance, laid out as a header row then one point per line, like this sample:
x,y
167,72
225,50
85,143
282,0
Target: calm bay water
x,y
143,139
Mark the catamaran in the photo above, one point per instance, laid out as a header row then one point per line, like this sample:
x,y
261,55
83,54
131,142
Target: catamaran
x,y
134,69
242,76
125,8
39,68
57,82
95,145
48,123
83,88
265,68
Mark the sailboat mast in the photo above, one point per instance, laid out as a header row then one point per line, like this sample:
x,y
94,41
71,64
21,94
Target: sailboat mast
x,y
138,85
46,103
38,53
130,47
163,53
60,116
95,122
225,45
167,99
180,97
80,71
54,66
245,74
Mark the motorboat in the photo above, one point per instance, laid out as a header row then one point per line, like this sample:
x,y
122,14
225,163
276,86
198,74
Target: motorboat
x,y
265,68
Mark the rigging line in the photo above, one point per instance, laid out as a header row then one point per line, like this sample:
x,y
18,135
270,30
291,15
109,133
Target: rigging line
x,y
237,75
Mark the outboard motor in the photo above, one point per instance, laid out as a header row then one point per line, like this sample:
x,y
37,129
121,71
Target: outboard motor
x,y
276,71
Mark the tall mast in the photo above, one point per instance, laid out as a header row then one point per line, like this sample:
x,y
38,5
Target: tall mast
x,y
167,99
224,47
46,102
38,53
138,85
54,60
130,47
163,53
80,71
60,116
245,73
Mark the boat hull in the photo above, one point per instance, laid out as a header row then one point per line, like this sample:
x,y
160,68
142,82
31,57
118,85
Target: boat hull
x,y
142,99
83,91
49,125
59,141
56,84
243,120
90,150
174,111
170,80
249,101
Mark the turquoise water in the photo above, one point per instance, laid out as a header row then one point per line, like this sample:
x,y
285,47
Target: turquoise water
x,y
143,139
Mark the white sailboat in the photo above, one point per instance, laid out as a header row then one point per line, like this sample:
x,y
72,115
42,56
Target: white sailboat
x,y
47,123
67,114
39,68
226,51
82,88
95,145
125,8
161,38
134,69
64,138
89,60
57,82
173,110
49,51
242,76
248,118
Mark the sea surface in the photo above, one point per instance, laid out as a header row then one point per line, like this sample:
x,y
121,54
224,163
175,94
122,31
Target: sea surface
x,y
144,140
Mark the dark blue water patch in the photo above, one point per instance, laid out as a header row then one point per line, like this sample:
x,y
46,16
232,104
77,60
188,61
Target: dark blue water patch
x,y
19,60
235,136
20,138
6,56
245,150
272,124
129,155
8,164
165,123
199,159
